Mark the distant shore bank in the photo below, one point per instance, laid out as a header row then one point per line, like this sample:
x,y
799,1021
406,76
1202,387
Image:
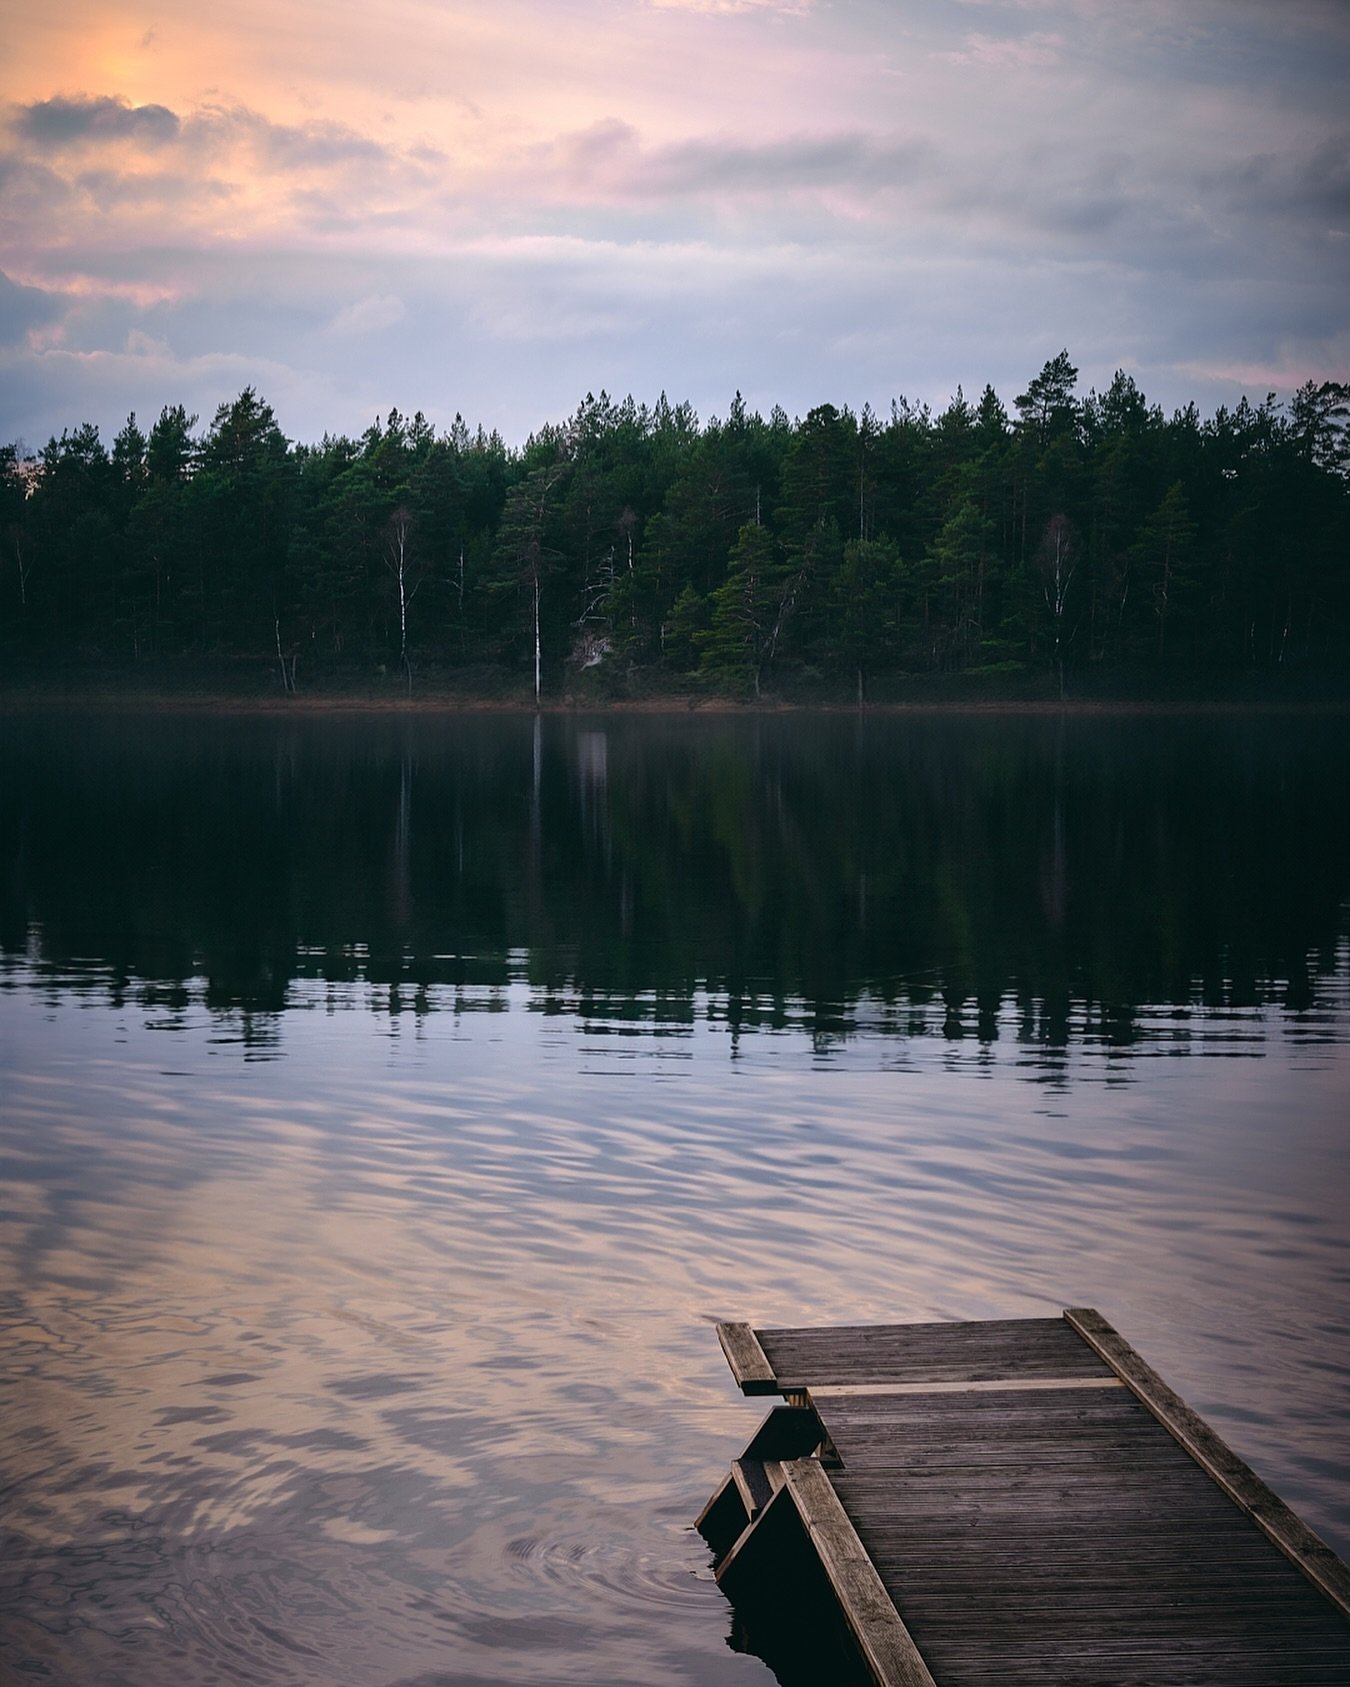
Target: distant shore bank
x,y
76,690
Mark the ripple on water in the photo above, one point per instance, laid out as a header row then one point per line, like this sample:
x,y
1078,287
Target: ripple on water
x,y
601,1560
355,1369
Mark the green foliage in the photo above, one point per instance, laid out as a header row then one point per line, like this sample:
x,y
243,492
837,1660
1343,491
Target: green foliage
x,y
1079,537
865,598
748,612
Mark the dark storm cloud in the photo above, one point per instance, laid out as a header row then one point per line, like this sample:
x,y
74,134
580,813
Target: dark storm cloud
x,y
63,121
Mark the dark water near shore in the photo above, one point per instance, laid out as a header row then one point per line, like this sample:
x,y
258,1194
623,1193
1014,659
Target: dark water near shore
x,y
388,1108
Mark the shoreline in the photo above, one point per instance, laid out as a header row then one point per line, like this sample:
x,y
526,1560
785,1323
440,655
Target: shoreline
x,y
146,701
226,685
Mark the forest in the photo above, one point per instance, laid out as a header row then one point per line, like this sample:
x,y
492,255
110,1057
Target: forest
x,y
1073,545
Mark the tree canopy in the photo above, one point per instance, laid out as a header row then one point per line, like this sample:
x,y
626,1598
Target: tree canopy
x,y
1081,536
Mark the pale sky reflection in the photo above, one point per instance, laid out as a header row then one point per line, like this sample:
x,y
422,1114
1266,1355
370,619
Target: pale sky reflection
x,y
476,1239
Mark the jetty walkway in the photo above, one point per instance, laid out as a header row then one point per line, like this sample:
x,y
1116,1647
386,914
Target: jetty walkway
x,y
1021,1501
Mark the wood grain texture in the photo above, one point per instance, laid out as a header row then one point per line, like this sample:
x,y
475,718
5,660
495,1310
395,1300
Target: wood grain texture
x,y
749,1366
1030,1503
901,1353
883,1639
1243,1486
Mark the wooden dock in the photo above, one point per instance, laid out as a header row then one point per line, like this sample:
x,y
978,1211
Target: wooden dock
x,y
1023,1502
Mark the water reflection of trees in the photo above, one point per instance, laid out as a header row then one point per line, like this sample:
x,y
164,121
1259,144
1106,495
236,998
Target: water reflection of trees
x,y
961,878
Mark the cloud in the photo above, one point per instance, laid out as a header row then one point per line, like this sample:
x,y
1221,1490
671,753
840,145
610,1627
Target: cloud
x,y
1022,52
369,315
160,190
30,191
282,146
1305,192
211,133
1290,364
1322,182
23,309
141,344
644,194
792,7
609,160
71,121
82,172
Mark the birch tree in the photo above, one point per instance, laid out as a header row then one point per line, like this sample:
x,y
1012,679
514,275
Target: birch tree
x,y
525,559
398,559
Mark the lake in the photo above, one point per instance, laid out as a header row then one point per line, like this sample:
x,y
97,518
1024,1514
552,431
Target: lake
x,y
392,1105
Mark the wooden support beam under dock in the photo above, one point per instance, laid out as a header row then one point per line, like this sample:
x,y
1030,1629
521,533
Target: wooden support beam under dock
x,y
1022,1501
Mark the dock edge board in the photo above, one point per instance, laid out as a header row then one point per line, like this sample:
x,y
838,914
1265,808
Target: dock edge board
x,y
886,1644
750,1368
1322,1567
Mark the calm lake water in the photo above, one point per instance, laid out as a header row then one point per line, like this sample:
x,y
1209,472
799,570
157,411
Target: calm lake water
x,y
391,1107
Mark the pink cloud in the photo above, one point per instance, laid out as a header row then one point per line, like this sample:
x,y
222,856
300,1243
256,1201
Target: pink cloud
x,y
1329,360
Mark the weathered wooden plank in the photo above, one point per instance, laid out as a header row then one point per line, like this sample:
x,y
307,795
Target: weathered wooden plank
x,y
1103,1439
1224,1671
1049,1410
1218,1613
1103,1583
1032,1405
752,1371
1021,1333
1007,1491
1289,1532
755,1530
789,1432
883,1639
1128,1668
1077,1483
1080,1489
1217,1672
723,1521
881,1442
724,1502
1057,1410
935,1352
886,1390
991,1550
752,1480
988,1551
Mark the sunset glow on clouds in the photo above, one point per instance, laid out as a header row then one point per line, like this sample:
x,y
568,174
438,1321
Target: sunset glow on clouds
x,y
494,208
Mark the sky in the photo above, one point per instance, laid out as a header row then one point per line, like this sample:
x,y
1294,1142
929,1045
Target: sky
x,y
494,207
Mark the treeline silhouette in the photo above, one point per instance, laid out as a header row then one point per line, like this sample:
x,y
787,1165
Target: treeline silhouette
x,y
633,546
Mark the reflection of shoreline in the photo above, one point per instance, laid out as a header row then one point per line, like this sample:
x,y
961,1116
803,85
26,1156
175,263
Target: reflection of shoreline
x,y
1045,1042
79,696
1035,883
